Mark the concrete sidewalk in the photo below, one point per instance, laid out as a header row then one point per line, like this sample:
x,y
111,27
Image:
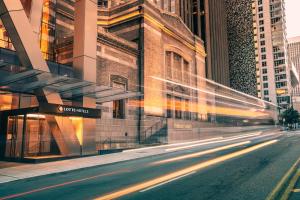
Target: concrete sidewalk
x,y
24,171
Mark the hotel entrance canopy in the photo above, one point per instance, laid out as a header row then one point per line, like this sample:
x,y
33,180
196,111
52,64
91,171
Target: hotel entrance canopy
x,y
18,79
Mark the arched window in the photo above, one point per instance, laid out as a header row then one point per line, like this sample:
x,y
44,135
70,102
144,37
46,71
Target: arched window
x,y
177,68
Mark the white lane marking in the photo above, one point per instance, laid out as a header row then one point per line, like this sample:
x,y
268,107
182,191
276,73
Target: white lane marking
x,y
213,142
163,183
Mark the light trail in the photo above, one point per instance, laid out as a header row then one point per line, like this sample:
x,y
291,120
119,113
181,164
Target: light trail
x,y
214,142
175,144
207,92
173,175
202,153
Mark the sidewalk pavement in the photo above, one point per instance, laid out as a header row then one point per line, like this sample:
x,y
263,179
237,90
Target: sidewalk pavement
x,y
24,171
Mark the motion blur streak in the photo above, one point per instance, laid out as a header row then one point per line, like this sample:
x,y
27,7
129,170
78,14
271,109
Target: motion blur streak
x,y
213,142
151,183
201,153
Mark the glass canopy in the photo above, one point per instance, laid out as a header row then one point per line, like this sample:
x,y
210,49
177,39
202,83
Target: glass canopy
x,y
23,80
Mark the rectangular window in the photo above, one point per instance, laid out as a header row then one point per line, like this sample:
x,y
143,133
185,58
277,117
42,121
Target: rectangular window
x,y
119,109
266,92
178,108
177,67
261,22
264,71
119,105
168,65
186,73
187,110
169,106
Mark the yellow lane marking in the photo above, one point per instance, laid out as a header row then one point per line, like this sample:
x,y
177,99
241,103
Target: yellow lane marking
x,y
282,182
164,178
213,142
296,190
200,153
290,186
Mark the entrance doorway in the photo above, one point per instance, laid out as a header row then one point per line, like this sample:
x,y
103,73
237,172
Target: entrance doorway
x,y
29,136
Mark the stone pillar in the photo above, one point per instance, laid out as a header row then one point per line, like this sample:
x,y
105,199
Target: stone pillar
x,y
85,49
35,17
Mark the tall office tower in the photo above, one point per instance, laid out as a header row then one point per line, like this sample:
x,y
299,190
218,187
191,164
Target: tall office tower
x,y
294,55
241,46
214,34
273,71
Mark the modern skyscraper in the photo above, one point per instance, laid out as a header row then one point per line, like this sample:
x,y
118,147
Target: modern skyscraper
x,y
214,23
241,46
294,55
273,70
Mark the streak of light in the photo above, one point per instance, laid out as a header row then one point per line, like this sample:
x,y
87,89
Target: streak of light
x,y
205,91
213,142
176,144
199,166
202,153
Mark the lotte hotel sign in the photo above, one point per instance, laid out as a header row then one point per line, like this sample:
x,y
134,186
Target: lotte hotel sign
x,y
65,110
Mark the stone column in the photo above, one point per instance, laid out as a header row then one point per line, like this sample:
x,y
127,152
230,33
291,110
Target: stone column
x,y
84,63
35,17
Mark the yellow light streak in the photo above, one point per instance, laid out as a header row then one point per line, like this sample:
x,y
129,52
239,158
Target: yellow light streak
x,y
182,172
224,140
193,155
205,91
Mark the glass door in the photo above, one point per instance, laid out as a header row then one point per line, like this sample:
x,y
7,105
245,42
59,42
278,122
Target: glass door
x,y
39,140
29,136
14,136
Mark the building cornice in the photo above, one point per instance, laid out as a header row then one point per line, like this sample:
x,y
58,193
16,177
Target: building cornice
x,y
193,45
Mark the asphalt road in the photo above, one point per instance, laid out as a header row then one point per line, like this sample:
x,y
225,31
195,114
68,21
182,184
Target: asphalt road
x,y
248,169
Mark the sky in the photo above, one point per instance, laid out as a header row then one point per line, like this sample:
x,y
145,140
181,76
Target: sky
x,y
292,17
